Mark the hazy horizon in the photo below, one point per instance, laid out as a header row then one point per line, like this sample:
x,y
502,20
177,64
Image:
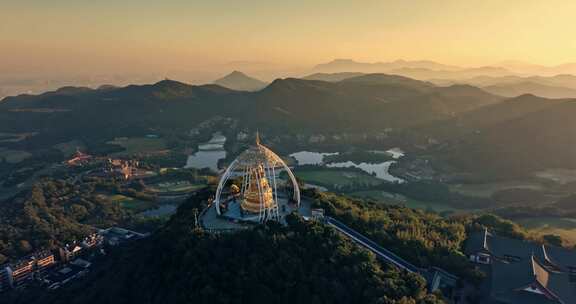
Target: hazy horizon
x,y
67,42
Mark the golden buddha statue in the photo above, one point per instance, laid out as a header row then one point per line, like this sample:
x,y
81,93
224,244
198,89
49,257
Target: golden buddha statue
x,y
258,195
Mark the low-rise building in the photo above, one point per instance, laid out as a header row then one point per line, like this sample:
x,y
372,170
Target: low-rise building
x,y
115,236
44,260
5,277
22,271
92,241
65,275
79,159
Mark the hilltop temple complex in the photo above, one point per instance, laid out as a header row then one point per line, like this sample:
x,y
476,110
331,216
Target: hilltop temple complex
x,y
256,187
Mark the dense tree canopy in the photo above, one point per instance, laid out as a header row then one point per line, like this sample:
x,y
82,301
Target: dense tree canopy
x,y
304,262
54,212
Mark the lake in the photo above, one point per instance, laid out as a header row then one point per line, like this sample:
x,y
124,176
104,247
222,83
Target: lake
x,y
310,158
380,170
209,153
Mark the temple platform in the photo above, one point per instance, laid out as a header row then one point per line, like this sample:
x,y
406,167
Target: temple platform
x,y
234,219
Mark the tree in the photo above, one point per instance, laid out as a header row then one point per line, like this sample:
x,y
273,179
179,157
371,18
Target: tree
x,y
553,240
24,247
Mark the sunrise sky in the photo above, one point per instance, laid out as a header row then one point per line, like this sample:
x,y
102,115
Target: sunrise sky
x,y
141,36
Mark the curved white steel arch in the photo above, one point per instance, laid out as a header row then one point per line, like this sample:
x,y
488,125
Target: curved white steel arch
x,y
255,156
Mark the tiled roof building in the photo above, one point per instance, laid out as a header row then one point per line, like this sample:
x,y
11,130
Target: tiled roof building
x,y
523,272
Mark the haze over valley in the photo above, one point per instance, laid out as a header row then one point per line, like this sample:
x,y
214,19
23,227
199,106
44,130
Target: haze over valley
x,y
392,152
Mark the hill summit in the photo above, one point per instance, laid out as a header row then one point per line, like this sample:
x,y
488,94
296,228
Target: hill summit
x,y
240,81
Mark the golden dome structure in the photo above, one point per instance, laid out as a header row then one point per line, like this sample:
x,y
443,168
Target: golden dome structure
x,y
257,168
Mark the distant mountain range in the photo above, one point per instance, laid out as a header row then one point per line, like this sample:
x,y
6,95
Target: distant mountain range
x,y
520,88
559,86
240,82
511,138
427,70
332,77
415,69
372,102
478,130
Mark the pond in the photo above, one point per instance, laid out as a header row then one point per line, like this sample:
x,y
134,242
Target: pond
x,y
163,210
310,158
380,170
209,153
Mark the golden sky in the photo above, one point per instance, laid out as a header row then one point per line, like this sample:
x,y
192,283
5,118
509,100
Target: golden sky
x,y
105,36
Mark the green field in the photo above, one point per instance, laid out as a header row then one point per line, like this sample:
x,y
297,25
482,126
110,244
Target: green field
x,y
70,147
13,156
564,227
561,176
176,187
131,203
333,178
487,189
137,145
397,199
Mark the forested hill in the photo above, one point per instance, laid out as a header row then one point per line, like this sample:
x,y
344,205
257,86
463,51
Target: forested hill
x,y
305,262
368,102
512,138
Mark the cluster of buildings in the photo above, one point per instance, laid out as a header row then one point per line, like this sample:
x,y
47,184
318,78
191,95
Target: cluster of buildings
x,y
38,265
54,268
79,159
110,167
125,169
523,272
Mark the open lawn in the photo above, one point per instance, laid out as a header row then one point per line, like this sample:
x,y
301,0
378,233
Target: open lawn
x,y
397,199
138,145
561,176
13,156
70,147
333,178
176,187
132,204
487,189
15,137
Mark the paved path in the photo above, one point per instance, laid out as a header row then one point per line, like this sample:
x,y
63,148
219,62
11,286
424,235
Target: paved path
x,y
380,251
436,278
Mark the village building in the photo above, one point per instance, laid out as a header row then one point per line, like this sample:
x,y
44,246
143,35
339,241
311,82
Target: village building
x,y
22,271
79,159
5,277
44,260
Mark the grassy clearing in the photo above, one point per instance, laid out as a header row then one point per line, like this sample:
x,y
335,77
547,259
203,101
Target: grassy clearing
x,y
130,203
561,176
138,206
333,178
395,199
14,156
69,148
487,189
15,137
119,198
137,145
564,227
176,187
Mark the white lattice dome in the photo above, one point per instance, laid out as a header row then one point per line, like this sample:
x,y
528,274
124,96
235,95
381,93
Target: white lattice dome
x,y
257,168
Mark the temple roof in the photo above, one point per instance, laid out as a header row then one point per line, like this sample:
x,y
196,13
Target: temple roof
x,y
529,282
500,247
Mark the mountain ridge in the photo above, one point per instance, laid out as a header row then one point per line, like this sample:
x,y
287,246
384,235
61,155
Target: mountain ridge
x,y
239,81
